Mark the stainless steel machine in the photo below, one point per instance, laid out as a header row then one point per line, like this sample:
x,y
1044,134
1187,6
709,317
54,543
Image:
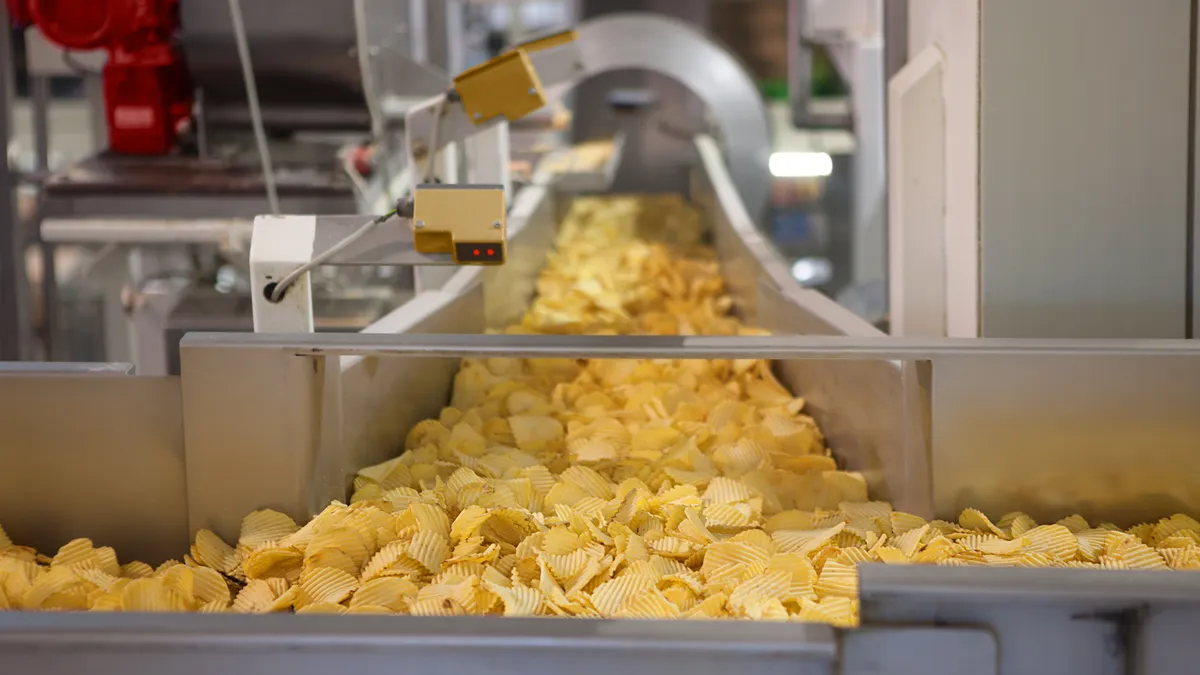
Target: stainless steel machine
x,y
328,79
140,462
1041,182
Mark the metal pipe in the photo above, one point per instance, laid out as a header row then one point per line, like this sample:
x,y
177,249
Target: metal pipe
x,y
12,260
40,90
256,118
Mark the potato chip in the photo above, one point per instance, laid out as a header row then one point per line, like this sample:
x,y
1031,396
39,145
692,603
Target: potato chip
x,y
211,551
805,541
322,608
136,570
723,490
729,516
1021,524
444,606
263,526
149,595
769,584
209,586
1055,541
649,605
536,432
255,597
326,584
57,581
78,552
610,597
1169,526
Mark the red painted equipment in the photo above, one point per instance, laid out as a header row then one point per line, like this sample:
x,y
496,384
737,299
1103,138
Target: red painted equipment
x,y
147,91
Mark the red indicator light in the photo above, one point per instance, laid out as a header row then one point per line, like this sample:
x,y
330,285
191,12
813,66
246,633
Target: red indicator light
x,y
491,252
476,252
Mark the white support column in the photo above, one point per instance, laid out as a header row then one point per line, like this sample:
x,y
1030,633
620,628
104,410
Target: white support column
x,y
487,158
870,175
277,246
448,170
917,197
952,27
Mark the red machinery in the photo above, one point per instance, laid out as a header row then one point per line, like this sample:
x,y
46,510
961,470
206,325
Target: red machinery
x,y
147,91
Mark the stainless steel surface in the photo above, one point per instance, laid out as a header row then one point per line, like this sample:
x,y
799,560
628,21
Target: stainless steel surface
x,y
509,290
292,416
1011,425
1110,260
1109,437
103,208
310,645
92,453
40,86
13,311
304,51
872,411
63,368
168,317
1013,584
372,398
1193,215
680,52
661,154
747,257
222,232
1048,622
919,650
696,346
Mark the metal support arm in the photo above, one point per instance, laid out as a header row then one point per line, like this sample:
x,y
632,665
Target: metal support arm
x,y
485,99
449,225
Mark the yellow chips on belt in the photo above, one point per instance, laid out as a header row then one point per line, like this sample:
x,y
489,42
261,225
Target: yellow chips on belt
x,y
605,488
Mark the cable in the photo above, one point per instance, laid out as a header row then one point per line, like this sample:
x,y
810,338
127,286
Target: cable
x,y
256,119
286,282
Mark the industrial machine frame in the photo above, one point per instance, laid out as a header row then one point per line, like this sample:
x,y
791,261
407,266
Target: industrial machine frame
x,y
1104,428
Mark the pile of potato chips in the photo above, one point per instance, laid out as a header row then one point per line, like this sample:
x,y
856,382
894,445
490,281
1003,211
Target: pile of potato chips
x,y
603,488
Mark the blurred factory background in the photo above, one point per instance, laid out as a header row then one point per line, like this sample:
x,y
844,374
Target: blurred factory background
x,y
122,240
102,276
250,247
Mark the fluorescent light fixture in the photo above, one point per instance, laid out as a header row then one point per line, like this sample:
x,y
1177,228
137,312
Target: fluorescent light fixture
x,y
800,164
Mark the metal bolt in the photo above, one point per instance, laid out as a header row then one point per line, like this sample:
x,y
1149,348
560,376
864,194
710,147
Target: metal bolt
x,y
496,224
478,115
419,224
533,91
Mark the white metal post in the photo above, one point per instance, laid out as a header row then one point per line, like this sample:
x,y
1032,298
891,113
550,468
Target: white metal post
x,y
278,245
487,158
